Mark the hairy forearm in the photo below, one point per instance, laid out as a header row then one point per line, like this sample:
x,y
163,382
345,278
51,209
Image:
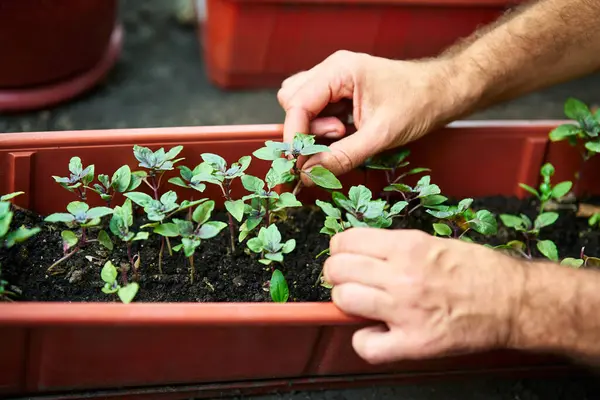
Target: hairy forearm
x,y
539,44
558,312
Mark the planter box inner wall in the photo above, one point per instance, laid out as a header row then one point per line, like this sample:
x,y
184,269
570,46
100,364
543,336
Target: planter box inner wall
x,y
85,346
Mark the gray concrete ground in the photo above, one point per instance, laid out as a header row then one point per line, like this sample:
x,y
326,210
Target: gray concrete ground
x,y
160,81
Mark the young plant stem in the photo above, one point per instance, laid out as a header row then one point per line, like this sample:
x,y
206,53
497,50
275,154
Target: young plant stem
x,y
414,208
227,194
192,269
462,234
154,186
64,258
297,188
160,254
527,244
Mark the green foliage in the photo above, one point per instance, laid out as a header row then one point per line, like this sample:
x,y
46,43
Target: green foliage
x,y
427,194
278,287
585,130
268,243
122,221
531,230
457,220
79,177
109,275
159,160
80,214
163,208
123,180
391,163
546,190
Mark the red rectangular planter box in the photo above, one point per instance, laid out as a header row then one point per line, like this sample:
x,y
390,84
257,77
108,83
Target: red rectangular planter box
x,y
64,347
258,43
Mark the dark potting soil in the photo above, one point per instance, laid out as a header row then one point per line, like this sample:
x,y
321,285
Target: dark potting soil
x,y
224,277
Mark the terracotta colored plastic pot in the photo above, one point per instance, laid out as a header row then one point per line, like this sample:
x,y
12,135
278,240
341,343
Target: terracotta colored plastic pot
x,y
65,348
48,44
258,43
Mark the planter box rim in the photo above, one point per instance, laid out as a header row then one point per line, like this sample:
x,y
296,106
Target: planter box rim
x,y
185,134
242,313
430,3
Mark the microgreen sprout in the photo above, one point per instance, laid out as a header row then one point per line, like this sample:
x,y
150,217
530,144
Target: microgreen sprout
x,y
424,194
278,287
302,145
123,180
79,215
8,237
160,210
530,231
586,130
547,192
78,179
192,234
457,220
268,244
265,203
157,162
126,292
215,170
120,224
583,261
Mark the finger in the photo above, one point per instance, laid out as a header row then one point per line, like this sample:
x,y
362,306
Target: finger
x,y
347,153
329,127
363,301
370,242
356,268
377,345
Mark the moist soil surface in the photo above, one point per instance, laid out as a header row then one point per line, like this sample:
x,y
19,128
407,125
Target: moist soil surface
x,y
223,276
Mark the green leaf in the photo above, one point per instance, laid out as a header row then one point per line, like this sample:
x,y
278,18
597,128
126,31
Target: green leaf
x,y
171,154
211,229
178,181
19,235
10,196
77,207
548,249
75,165
141,236
545,219
104,240
323,177
287,200
594,219
529,189
464,204
69,239
278,287
314,149
442,229
398,207
255,244
547,170
127,293
511,221
216,161
288,246
268,154
593,146
99,212
59,217
282,165
572,262
561,189
236,209
168,229
270,236
202,212
433,200
576,109
121,178
398,187
329,209
359,196
103,179
563,131
139,198
265,261
252,183
136,179
108,273
278,257
484,223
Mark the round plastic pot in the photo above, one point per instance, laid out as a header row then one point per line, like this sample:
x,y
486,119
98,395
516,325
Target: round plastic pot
x,y
258,43
54,49
69,348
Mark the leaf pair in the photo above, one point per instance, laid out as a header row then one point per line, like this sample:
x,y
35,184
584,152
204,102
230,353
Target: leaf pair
x,y
268,242
123,180
109,276
158,160
79,213
78,177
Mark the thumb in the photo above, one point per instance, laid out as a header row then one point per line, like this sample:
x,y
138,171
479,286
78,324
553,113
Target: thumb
x,y
347,153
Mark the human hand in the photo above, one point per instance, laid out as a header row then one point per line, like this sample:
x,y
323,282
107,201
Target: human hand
x,y
392,103
436,296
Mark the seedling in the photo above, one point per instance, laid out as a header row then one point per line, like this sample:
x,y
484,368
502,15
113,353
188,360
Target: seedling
x,y
120,224
214,170
123,180
547,192
268,244
79,215
424,194
530,231
302,145
126,292
265,203
160,210
278,287
583,261
390,164
9,238
157,162
585,130
192,235
79,178
457,220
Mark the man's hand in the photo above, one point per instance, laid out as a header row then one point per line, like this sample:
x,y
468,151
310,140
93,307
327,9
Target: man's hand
x,y
436,296
394,102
